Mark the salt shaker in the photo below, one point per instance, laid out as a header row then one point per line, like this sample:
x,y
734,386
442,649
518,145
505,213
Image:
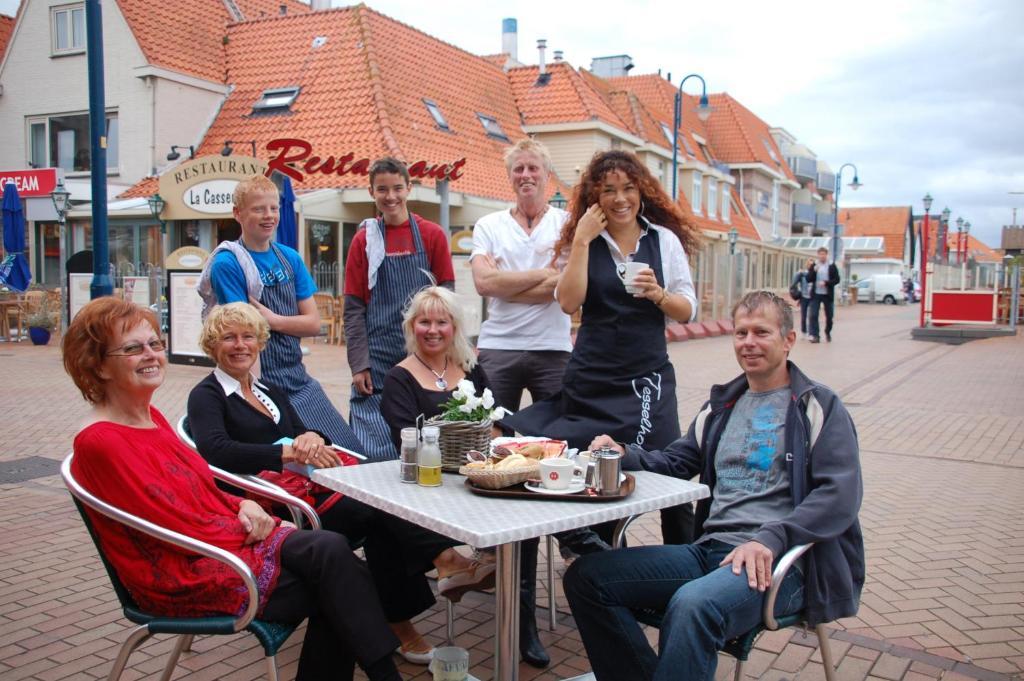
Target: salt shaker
x,y
410,446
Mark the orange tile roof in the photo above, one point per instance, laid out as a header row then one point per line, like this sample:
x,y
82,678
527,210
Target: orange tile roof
x,y
188,36
889,222
566,98
658,96
975,247
739,136
6,28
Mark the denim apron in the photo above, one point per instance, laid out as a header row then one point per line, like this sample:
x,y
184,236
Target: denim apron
x,y
281,363
399,277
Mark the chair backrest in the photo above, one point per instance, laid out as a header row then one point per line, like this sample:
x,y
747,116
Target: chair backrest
x,y
184,432
33,301
324,305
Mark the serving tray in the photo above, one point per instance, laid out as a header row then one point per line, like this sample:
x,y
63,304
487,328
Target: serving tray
x,y
520,492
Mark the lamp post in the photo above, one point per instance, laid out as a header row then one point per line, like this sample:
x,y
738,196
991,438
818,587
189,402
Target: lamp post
x,y
959,237
156,206
703,113
734,236
62,203
925,261
558,201
854,185
963,266
944,239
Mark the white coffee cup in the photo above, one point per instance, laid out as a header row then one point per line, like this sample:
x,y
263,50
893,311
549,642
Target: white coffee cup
x,y
450,663
557,473
628,271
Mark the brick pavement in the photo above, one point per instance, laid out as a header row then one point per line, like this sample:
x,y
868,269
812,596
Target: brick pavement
x,y
941,435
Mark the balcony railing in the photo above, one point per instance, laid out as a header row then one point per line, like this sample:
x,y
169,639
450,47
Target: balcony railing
x,y
824,221
826,182
803,214
804,168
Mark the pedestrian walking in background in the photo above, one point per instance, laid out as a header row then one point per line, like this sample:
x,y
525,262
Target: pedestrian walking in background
x,y
823,277
802,290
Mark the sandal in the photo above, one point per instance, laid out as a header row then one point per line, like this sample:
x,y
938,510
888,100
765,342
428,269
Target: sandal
x,y
477,577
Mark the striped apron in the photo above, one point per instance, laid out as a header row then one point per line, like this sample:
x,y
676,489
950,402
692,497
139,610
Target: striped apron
x,y
281,364
398,279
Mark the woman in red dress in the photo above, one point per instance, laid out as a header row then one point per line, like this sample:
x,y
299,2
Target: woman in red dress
x,y
127,454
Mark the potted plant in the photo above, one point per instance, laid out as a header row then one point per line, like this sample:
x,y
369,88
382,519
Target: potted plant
x,y
465,422
40,324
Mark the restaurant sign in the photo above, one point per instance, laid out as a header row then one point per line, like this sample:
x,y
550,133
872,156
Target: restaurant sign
x,y
35,182
201,189
295,158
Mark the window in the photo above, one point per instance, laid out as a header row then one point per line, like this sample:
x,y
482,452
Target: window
x,y
707,155
276,98
695,200
726,202
63,142
712,197
667,131
771,151
435,112
686,145
67,29
492,127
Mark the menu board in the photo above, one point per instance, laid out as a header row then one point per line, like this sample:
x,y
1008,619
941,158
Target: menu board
x,y
78,292
185,322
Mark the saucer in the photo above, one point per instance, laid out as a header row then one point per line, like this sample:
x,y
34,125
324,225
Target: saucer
x,y
574,487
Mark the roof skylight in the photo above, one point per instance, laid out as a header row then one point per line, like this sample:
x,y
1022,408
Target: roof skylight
x,y
436,114
492,127
276,98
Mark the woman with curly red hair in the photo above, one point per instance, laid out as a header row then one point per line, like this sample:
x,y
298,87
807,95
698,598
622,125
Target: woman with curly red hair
x,y
623,259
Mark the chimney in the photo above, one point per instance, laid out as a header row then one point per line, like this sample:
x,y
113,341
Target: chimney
x,y
542,45
318,5
558,55
510,38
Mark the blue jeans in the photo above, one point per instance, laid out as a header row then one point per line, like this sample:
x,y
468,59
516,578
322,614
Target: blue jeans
x,y
704,606
818,301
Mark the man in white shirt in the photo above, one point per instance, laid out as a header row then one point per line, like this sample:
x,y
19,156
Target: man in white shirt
x,y
524,343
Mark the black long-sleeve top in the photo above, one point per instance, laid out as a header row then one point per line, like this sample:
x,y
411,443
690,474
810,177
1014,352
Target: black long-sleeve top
x,y
232,434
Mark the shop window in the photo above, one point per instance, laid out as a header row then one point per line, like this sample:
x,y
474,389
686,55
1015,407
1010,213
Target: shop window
x,y
492,127
435,113
67,29
276,100
63,142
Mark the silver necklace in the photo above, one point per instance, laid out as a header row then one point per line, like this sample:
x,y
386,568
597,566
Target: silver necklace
x,y
440,382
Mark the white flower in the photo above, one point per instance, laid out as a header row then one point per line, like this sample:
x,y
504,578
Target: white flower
x,y
488,398
473,402
498,413
465,408
465,389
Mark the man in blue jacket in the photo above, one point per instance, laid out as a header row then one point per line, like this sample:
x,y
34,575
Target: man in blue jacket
x,y
780,455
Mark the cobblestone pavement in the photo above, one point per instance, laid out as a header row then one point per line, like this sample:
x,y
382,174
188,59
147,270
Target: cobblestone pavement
x,y
941,431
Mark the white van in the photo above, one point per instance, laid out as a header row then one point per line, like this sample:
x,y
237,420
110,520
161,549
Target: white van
x,y
888,289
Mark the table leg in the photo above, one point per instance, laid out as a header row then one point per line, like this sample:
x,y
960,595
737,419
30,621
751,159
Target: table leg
x,y
506,635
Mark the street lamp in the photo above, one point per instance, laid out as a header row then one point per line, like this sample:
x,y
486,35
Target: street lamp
x,y
959,237
733,238
703,113
175,154
156,206
855,185
944,239
963,267
227,150
62,203
559,201
925,258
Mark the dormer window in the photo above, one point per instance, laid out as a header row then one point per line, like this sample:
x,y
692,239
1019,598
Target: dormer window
x,y
435,113
492,127
771,151
276,99
667,131
686,145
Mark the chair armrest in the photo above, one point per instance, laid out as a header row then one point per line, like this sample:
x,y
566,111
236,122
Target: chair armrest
x,y
778,574
169,536
273,492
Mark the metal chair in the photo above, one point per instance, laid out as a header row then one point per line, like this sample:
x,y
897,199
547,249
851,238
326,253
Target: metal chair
x,y
271,635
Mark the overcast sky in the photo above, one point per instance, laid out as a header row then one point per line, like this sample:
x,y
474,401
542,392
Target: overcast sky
x,y
922,95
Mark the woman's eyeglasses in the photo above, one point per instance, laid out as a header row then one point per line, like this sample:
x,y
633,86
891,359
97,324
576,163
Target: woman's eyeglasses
x,y
132,349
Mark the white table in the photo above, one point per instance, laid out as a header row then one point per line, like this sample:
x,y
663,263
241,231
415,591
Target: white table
x,y
454,511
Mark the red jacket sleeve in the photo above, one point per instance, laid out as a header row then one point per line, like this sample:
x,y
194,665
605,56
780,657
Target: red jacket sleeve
x,y
357,278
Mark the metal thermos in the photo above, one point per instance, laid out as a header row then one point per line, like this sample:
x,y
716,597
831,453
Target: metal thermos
x,y
608,464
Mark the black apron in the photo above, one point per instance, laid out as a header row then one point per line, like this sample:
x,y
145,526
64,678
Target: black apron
x,y
619,380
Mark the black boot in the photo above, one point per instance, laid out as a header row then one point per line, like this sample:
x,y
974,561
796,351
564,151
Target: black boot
x,y
530,646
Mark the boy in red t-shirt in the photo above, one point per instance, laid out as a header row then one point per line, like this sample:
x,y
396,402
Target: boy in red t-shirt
x,y
388,262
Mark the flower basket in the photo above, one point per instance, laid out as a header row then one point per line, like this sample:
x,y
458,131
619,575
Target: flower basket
x,y
500,478
458,437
